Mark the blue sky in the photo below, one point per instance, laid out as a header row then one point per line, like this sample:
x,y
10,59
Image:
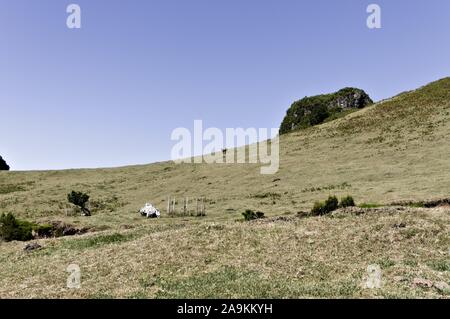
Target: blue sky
x,y
110,93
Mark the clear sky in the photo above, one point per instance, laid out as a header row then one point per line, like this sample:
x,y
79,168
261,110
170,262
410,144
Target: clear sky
x,y
110,93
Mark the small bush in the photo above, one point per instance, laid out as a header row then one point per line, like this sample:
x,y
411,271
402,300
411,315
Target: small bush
x,y
327,207
14,229
251,215
259,215
331,204
79,199
347,202
318,208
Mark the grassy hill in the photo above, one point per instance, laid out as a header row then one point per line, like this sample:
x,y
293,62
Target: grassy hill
x,y
395,150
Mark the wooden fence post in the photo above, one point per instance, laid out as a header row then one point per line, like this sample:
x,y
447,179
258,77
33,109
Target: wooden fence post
x,y
196,208
203,206
168,205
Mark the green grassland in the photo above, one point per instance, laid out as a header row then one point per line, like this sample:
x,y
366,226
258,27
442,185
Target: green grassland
x,y
395,150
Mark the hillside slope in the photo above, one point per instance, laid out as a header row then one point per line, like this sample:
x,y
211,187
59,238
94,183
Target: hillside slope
x,y
391,151
394,150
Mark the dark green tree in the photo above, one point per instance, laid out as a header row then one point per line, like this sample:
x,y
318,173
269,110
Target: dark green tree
x,y
79,199
3,165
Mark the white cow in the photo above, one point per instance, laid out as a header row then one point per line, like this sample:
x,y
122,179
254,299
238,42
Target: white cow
x,y
149,211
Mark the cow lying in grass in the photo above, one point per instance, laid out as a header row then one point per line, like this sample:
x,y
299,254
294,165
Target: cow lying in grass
x,y
149,211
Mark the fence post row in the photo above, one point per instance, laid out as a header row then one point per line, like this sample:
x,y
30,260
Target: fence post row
x,y
184,210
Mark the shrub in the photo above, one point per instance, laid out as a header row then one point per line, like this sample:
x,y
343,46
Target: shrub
x,y
14,229
331,204
327,207
259,215
3,165
318,208
251,215
44,231
79,199
347,202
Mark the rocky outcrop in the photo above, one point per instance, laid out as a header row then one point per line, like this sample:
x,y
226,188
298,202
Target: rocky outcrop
x,y
317,109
